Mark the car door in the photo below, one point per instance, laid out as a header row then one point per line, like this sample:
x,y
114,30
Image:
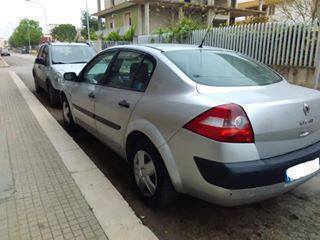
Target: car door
x,y
83,92
116,99
37,68
43,68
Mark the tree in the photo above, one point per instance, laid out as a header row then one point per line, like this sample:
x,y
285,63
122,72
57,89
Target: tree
x,y
93,24
299,10
64,32
26,28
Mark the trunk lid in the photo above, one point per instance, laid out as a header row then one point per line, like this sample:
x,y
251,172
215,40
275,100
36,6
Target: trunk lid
x,y
284,117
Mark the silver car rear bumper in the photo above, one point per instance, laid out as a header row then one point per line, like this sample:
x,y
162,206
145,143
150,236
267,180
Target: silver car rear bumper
x,y
232,182
257,173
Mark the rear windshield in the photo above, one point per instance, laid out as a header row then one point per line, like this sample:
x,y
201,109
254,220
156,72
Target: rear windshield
x,y
214,68
68,54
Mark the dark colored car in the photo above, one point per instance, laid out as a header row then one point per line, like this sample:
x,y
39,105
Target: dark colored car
x,y
24,50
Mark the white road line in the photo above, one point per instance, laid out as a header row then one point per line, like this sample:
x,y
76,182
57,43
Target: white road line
x,y
3,63
114,214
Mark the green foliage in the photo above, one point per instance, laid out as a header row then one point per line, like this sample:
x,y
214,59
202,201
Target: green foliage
x,y
64,32
26,28
128,36
184,28
93,25
181,30
253,20
113,36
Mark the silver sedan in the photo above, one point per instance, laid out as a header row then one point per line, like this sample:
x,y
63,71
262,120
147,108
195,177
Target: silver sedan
x,y
202,121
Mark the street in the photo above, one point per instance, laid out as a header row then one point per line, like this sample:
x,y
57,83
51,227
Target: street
x,y
294,215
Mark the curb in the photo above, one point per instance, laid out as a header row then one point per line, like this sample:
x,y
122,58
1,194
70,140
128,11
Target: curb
x,y
114,214
3,63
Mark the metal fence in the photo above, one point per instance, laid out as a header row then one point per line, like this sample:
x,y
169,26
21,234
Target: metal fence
x,y
285,44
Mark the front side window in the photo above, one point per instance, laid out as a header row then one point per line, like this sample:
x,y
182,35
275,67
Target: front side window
x,y
96,71
40,51
131,70
71,54
217,68
45,54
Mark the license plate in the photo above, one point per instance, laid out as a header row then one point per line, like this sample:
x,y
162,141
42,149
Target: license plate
x,y
301,170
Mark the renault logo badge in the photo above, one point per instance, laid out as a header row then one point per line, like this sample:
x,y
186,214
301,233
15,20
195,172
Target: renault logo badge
x,y
306,109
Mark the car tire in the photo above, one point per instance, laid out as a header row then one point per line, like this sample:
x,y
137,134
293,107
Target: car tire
x,y
162,193
68,122
53,96
36,85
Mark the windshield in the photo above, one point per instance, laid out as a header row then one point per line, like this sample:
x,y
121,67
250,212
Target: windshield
x,y
68,54
215,68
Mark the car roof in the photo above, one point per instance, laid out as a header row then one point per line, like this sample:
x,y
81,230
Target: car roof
x,y
65,43
166,47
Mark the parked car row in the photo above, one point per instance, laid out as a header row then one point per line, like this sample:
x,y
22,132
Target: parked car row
x,y
4,52
207,122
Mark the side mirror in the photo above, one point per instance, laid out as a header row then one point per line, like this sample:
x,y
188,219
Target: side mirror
x,y
70,76
40,60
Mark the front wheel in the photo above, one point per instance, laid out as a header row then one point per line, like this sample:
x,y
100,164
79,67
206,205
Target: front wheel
x,y
67,115
151,176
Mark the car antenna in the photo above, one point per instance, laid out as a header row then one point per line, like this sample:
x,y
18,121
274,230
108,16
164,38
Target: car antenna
x,y
210,26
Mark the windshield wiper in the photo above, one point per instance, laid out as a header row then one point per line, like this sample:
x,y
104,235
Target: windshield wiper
x,y
59,62
77,62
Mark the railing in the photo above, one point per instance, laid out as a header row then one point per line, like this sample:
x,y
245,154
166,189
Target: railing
x,y
121,30
285,44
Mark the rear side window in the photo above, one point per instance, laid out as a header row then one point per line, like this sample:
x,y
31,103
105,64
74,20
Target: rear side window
x,y
131,70
215,68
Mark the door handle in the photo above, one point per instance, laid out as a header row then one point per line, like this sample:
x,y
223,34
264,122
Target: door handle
x,y
91,95
124,104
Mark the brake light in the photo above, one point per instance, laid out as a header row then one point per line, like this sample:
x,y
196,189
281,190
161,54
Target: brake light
x,y
225,123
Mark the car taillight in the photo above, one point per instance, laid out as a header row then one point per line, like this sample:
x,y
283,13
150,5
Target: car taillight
x,y
224,123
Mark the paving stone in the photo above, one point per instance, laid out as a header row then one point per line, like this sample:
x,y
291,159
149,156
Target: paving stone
x,y
46,203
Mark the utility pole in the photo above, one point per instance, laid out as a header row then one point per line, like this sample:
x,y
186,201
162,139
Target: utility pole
x,y
88,25
44,12
29,35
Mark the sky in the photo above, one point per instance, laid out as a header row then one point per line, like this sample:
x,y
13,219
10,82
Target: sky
x,y
58,12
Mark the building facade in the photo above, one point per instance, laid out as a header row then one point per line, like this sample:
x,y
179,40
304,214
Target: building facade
x,y
282,10
149,15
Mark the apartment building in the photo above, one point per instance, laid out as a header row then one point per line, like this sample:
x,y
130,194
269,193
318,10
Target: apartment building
x,y
150,15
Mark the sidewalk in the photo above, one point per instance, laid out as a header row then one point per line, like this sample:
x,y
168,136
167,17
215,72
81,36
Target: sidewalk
x,y
50,189
46,202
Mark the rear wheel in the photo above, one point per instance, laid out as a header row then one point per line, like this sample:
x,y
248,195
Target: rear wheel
x,y
67,115
36,83
151,176
53,95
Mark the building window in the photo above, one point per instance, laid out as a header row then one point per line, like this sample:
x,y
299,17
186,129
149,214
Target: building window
x,y
272,10
110,23
127,19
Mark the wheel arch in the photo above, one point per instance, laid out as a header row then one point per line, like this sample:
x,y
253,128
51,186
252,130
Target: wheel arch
x,y
144,129
62,95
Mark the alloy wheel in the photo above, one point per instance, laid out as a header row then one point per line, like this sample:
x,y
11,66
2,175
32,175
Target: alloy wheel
x,y
145,173
66,112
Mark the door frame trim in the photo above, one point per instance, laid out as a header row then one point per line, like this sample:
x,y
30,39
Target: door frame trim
x,y
98,118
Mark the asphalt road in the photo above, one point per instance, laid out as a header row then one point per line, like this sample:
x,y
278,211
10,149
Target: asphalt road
x,y
294,215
